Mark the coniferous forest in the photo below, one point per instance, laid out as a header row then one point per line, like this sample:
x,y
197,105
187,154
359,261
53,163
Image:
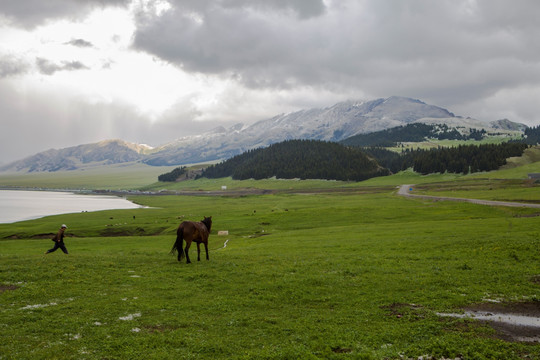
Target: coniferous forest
x,y
304,159
313,159
173,175
532,135
308,159
463,159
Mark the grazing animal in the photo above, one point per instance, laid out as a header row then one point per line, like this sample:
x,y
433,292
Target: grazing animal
x,y
192,231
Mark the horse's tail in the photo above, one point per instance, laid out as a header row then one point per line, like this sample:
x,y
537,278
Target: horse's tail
x,y
179,243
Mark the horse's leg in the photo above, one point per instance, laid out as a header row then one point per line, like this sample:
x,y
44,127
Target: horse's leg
x,y
180,253
179,243
198,251
180,248
206,248
188,244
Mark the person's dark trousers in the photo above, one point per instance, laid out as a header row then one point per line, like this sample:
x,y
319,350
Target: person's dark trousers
x,y
58,245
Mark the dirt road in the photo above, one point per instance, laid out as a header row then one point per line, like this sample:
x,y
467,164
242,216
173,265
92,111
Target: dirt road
x,y
404,190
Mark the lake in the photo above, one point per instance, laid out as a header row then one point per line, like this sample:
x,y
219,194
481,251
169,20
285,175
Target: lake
x,y
19,205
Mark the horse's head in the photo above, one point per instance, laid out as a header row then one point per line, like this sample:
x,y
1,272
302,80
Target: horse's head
x,y
207,222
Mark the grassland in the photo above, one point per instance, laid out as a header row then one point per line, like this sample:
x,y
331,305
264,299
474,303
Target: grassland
x,y
307,276
510,183
143,177
314,270
107,177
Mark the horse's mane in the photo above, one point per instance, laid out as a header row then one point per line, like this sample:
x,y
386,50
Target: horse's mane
x,y
207,222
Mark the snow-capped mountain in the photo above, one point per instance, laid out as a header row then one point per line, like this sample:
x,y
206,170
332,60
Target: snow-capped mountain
x,y
103,152
333,123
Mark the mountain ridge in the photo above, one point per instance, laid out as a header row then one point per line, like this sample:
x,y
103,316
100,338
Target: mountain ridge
x,y
334,123
104,152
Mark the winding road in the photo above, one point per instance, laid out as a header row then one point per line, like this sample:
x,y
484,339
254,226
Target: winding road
x,y
404,190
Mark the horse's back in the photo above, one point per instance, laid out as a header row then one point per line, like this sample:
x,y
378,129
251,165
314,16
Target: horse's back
x,y
193,230
185,226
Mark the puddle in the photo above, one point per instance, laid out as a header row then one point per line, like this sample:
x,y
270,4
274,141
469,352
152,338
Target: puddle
x,y
511,319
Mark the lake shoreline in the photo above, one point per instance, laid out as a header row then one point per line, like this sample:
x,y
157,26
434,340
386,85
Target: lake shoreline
x,y
30,204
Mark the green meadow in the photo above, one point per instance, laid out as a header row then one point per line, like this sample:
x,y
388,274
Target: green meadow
x,y
320,275
311,270
510,183
108,177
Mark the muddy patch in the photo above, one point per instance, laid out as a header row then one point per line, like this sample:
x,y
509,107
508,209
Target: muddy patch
x,y
399,310
8,287
511,321
160,328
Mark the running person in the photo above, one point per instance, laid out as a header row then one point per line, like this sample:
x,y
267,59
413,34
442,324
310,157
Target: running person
x,y
59,241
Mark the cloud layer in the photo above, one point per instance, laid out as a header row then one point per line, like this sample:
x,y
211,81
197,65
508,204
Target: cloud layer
x,y
31,13
154,70
449,51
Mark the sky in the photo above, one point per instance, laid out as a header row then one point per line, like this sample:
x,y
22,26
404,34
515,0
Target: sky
x,y
151,71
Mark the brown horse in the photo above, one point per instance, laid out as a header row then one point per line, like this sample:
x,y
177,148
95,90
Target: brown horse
x,y
192,231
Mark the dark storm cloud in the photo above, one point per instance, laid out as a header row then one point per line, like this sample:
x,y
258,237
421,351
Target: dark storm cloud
x,y
217,36
47,67
441,50
302,8
31,13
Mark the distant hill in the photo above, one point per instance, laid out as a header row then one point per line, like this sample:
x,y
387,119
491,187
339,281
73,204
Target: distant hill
x,y
506,124
303,159
104,152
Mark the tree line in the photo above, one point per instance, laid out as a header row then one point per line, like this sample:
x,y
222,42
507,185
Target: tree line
x,y
307,159
466,159
463,159
173,175
313,159
531,135
304,159
416,132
